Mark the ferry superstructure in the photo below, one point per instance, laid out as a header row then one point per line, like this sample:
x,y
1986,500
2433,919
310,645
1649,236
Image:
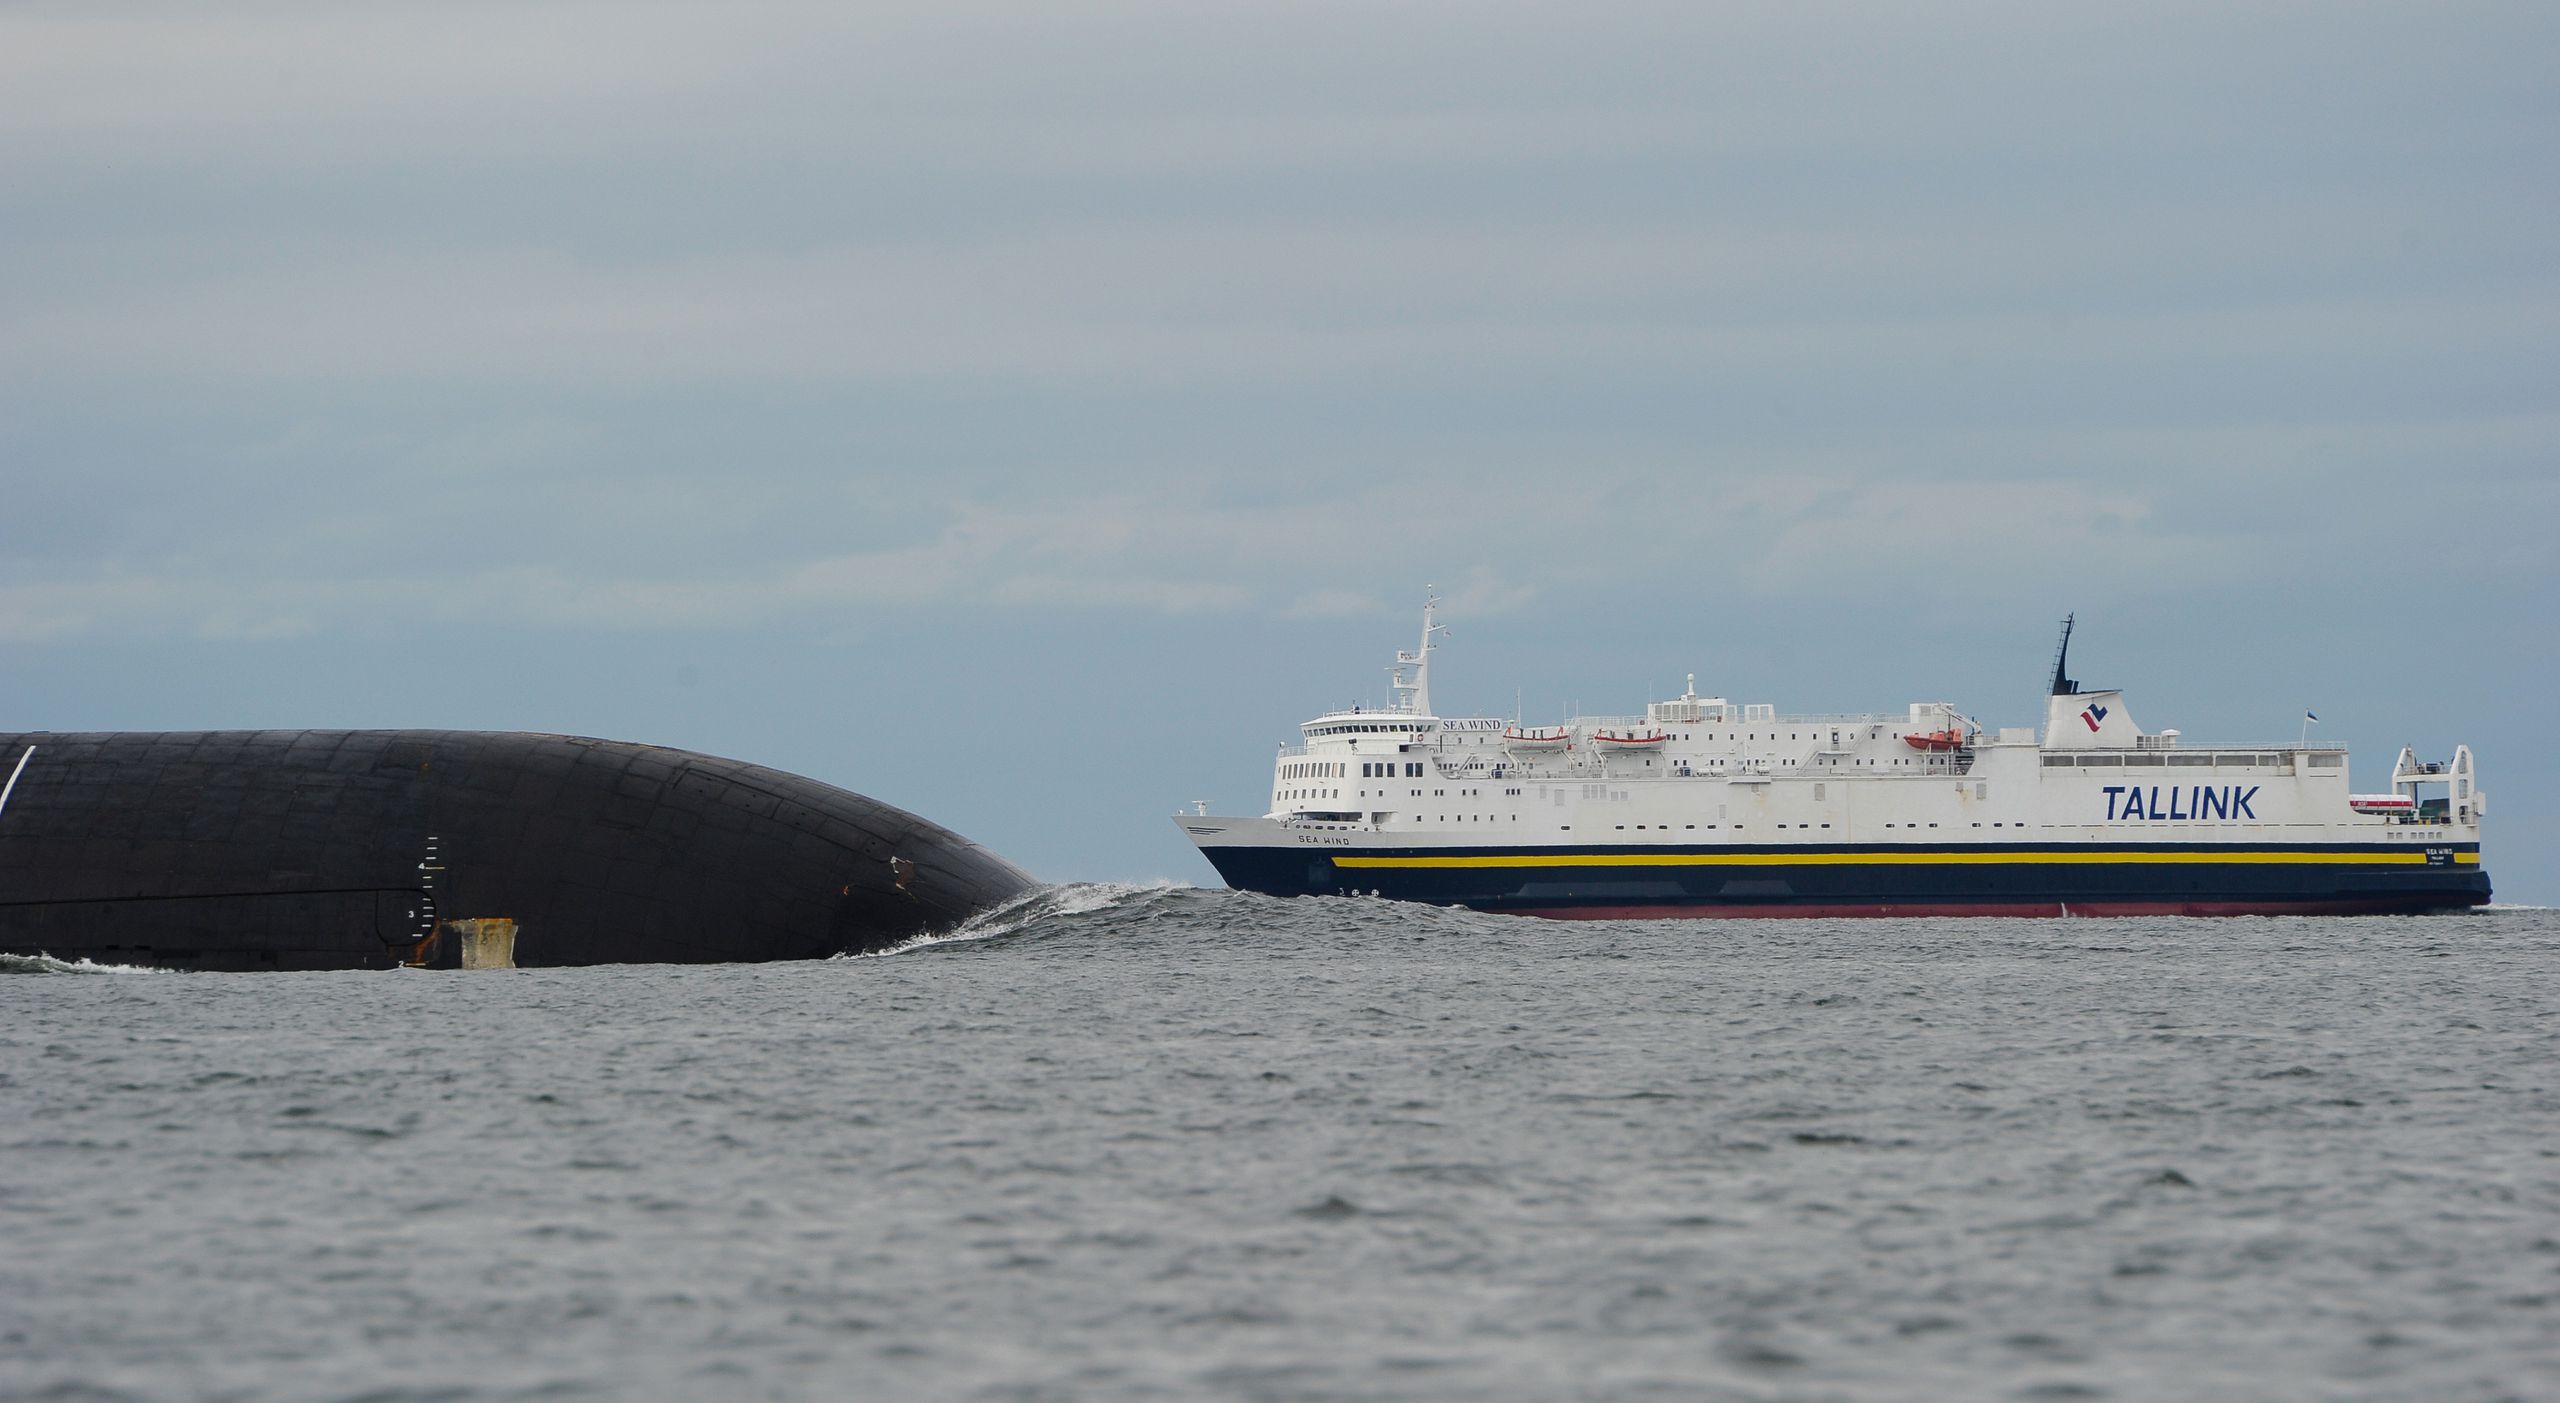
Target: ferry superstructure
x,y
1704,807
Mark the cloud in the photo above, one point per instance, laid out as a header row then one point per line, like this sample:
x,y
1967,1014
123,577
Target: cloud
x,y
634,317
1183,303
1796,536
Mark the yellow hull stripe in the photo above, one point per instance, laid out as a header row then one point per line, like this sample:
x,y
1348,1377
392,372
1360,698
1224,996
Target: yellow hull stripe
x,y
1895,859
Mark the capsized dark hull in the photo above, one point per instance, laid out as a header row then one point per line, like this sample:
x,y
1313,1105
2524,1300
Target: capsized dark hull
x,y
348,849
1908,880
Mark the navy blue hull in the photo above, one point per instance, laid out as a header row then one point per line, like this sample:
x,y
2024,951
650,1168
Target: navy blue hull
x,y
2154,878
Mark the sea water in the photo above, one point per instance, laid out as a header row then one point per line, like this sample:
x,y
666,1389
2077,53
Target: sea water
x,y
1173,1143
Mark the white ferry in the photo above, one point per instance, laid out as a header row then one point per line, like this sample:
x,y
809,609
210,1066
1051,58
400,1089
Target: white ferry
x,y
1702,807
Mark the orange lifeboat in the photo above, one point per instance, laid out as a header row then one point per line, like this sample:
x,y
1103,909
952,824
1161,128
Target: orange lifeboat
x,y
1632,740
1936,740
1557,739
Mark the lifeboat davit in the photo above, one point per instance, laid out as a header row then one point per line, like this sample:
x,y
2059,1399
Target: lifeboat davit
x,y
1557,739
1631,740
1936,740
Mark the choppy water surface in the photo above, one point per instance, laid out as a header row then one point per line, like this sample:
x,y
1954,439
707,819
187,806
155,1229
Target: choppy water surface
x,y
1182,1144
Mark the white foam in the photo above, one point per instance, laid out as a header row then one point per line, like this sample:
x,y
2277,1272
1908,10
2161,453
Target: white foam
x,y
1030,908
47,964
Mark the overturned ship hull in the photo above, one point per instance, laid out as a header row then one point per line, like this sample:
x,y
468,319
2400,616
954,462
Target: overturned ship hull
x,y
367,849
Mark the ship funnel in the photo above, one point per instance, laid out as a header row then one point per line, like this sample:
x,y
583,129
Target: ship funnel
x,y
2089,721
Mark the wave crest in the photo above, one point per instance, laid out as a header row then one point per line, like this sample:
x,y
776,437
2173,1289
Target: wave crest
x,y
1034,907
47,964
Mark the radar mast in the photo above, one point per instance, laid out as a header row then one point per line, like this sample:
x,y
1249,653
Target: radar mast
x,y
1413,694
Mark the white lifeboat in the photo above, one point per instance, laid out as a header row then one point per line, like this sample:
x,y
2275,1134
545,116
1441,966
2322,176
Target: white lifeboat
x,y
1557,739
2382,804
1629,740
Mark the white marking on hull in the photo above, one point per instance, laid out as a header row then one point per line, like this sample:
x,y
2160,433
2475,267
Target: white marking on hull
x,y
12,786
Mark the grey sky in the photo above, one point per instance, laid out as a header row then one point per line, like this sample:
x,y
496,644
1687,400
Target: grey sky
x,y
799,381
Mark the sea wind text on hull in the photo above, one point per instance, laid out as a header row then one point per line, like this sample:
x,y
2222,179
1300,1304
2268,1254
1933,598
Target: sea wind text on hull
x,y
1702,807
